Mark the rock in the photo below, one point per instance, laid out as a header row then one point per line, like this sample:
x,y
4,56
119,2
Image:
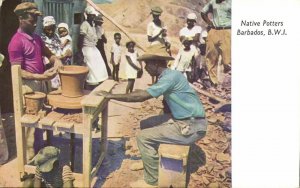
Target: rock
x,y
214,185
209,168
137,166
127,152
221,157
128,145
212,119
205,180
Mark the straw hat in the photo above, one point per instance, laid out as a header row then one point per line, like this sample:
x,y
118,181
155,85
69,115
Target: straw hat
x,y
156,52
156,10
27,7
46,158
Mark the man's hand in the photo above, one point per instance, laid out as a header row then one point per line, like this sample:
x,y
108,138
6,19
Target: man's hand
x,y
50,73
56,62
105,94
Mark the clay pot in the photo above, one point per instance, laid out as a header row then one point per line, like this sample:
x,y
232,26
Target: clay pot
x,y
72,79
34,102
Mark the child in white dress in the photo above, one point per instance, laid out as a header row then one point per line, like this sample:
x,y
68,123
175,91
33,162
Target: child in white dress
x,y
132,66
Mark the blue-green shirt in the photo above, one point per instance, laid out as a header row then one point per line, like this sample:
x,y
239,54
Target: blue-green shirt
x,y
221,12
180,97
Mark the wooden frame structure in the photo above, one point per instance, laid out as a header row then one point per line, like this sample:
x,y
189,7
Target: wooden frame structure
x,y
92,107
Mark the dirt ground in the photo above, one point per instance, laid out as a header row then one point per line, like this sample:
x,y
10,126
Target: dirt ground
x,y
210,158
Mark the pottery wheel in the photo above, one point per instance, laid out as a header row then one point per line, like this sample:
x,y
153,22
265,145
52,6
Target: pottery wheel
x,y
60,101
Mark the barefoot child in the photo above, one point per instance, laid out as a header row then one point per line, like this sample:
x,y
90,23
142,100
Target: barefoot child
x,y
185,59
115,59
50,172
132,65
66,43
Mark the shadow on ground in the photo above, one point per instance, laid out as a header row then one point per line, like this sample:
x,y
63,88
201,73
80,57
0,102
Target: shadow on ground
x,y
112,162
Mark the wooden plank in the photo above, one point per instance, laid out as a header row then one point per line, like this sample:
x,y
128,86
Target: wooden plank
x,y
103,143
28,120
18,110
48,121
64,126
87,149
96,168
104,119
95,101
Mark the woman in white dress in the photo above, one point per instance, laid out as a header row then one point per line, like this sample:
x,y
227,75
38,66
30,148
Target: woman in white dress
x,y
132,66
91,56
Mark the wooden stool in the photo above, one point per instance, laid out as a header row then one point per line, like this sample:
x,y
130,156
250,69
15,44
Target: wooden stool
x,y
172,165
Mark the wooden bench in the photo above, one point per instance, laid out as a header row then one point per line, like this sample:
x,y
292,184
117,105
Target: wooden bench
x,y
173,160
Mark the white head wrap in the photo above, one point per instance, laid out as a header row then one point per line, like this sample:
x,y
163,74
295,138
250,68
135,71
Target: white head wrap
x,y
90,10
64,25
48,20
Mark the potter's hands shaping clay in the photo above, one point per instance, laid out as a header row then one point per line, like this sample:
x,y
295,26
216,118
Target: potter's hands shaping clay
x,y
57,63
50,73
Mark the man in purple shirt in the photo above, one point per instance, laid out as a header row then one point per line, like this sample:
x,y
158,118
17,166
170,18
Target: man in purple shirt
x,y
26,49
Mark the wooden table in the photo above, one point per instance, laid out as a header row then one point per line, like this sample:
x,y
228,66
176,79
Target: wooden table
x,y
92,107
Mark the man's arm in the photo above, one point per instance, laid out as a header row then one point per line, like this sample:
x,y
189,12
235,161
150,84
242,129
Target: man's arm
x,y
135,96
112,59
206,19
48,75
196,38
151,39
80,42
52,58
104,39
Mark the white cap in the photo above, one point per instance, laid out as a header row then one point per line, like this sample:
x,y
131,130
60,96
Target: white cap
x,y
192,16
48,20
90,10
203,34
64,25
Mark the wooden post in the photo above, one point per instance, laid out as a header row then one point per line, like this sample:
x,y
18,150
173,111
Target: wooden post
x,y
87,148
18,110
72,150
104,129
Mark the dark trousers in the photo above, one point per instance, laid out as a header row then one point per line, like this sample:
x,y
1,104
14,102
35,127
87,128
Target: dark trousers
x,y
115,73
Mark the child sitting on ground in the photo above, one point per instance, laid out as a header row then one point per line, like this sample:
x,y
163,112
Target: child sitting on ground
x,y
66,43
132,67
49,171
185,60
115,59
